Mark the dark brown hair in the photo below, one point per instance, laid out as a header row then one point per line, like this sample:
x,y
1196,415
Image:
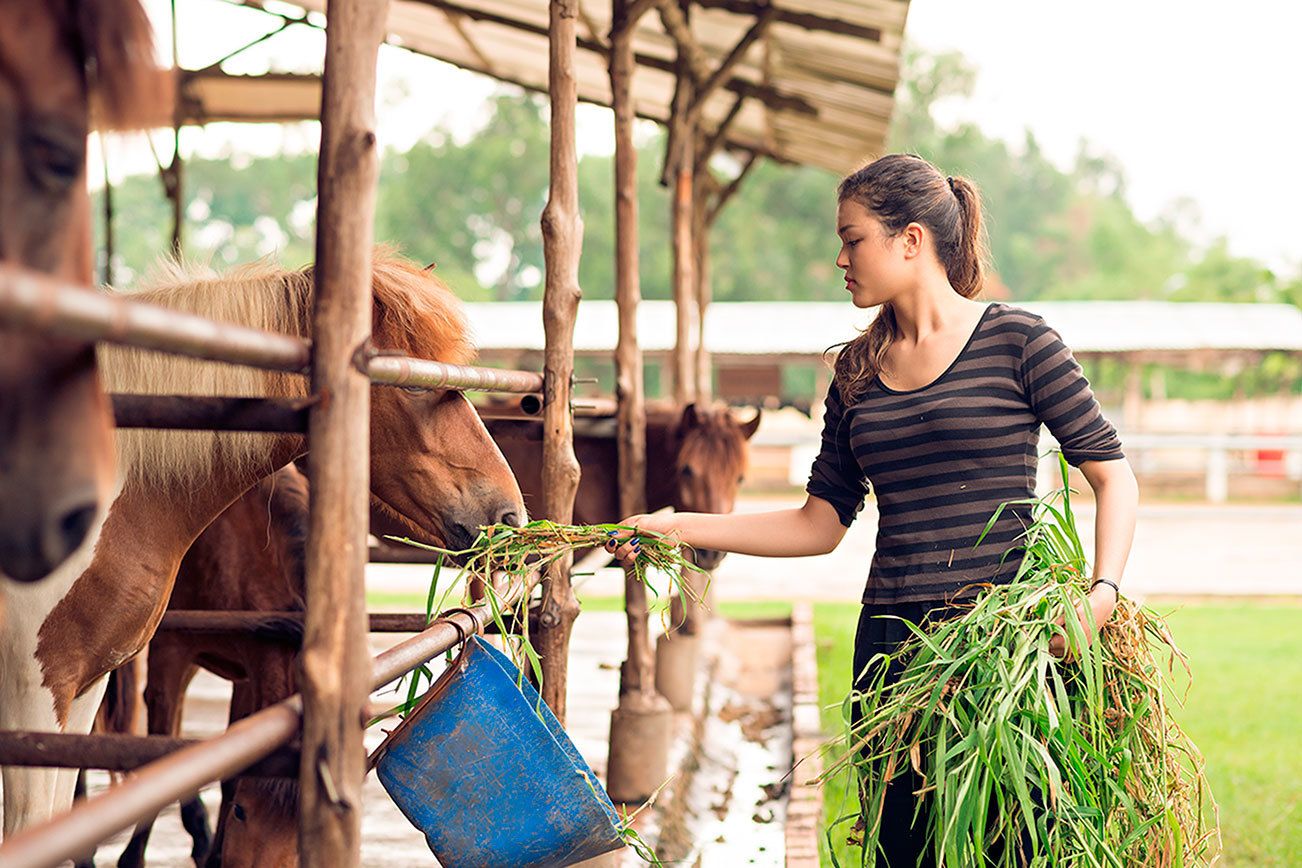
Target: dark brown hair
x,y
900,189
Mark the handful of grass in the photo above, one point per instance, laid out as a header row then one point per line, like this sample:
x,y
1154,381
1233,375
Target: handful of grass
x,y
1027,758
519,551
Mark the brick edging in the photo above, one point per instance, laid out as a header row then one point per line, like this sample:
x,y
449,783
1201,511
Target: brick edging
x,y
805,803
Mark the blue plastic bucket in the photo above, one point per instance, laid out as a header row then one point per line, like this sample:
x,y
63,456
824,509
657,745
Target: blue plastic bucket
x,y
485,770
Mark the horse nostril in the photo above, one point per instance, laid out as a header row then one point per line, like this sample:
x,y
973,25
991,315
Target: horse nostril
x,y
511,519
74,525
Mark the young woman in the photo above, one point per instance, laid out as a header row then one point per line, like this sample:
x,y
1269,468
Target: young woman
x,y
936,408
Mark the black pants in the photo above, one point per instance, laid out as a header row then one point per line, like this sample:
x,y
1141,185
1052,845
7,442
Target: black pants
x,y
903,843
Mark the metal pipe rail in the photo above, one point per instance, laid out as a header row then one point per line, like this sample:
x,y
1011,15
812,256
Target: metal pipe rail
x,y
183,773
46,304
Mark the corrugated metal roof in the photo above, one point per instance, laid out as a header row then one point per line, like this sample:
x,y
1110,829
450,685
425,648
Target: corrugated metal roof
x,y
818,84
808,328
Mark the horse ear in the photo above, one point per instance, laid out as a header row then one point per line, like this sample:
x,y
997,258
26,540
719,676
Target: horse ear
x,y
751,426
690,417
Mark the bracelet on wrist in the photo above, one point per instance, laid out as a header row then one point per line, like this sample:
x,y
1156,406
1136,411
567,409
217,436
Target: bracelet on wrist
x,y
1116,589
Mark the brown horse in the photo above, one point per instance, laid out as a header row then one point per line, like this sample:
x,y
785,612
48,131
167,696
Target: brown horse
x,y
250,559
54,58
433,468
696,460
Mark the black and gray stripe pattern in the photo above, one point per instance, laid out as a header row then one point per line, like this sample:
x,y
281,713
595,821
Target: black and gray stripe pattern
x,y
942,458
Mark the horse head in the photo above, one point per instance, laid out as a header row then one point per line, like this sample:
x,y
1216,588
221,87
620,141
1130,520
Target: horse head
x,y
260,825
56,428
711,464
434,467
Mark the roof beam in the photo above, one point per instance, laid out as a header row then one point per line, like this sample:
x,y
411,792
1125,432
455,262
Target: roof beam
x,y
805,20
770,96
734,57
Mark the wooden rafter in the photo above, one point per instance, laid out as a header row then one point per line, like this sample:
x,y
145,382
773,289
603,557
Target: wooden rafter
x,y
729,63
458,22
806,20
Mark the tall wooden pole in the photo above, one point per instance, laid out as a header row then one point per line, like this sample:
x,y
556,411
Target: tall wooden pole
x,y
630,417
562,231
680,161
336,667
641,726
701,247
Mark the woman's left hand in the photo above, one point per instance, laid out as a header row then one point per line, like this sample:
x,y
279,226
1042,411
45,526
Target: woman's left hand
x,y
1103,602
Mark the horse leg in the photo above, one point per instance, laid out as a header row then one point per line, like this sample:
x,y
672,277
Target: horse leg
x,y
79,795
170,670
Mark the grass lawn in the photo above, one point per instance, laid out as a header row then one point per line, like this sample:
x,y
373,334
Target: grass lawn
x,y
1244,711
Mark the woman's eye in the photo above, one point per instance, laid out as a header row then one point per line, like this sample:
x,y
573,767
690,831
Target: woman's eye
x,y
853,243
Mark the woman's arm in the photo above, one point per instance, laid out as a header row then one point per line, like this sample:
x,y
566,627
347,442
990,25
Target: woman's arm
x,y
813,529
1116,498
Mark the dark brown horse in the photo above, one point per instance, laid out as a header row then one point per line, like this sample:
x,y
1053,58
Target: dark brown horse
x,y
432,465
56,59
696,460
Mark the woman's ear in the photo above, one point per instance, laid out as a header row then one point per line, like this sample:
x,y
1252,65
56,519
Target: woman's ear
x,y
912,238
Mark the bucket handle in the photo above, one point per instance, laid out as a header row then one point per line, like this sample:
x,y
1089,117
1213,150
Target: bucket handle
x,y
463,636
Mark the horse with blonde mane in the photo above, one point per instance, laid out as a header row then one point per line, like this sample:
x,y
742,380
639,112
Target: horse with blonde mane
x,y
433,469
56,428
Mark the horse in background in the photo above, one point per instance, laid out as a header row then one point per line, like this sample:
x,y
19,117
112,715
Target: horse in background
x,y
434,469
696,461
60,61
250,559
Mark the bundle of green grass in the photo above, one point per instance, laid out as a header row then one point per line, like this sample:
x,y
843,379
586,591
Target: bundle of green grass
x,y
1028,758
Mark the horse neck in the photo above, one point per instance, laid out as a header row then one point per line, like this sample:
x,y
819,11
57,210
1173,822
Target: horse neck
x,y
661,463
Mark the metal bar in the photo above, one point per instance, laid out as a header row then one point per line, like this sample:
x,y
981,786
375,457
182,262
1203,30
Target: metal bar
x,y
51,305
76,833
46,304
160,783
117,753
426,374
272,624
193,412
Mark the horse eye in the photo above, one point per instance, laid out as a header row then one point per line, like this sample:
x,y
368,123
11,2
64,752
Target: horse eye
x,y
414,390
686,472
238,810
53,164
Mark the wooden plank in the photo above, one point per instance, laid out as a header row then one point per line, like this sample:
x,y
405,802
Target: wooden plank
x,y
336,667
562,231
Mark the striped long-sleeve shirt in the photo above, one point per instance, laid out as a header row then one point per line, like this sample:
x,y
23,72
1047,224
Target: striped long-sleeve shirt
x,y
942,458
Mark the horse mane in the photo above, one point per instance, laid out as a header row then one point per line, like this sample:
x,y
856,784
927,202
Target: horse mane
x,y
115,42
715,440
413,311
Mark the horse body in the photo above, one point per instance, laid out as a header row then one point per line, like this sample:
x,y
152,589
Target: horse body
x,y
433,466
53,57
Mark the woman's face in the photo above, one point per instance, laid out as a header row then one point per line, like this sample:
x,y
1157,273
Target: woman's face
x,y
876,269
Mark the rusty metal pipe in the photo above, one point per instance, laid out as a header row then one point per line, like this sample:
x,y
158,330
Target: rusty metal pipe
x,y
50,305
202,413
117,753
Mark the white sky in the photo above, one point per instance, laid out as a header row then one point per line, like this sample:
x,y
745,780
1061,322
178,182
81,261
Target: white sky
x,y
1195,99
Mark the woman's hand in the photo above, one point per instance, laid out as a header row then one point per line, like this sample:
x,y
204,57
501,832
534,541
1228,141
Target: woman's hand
x,y
1103,602
626,545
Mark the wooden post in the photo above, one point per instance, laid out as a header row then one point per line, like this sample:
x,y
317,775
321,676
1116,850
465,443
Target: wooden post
x,y
680,162
701,244
642,724
562,231
631,409
336,665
